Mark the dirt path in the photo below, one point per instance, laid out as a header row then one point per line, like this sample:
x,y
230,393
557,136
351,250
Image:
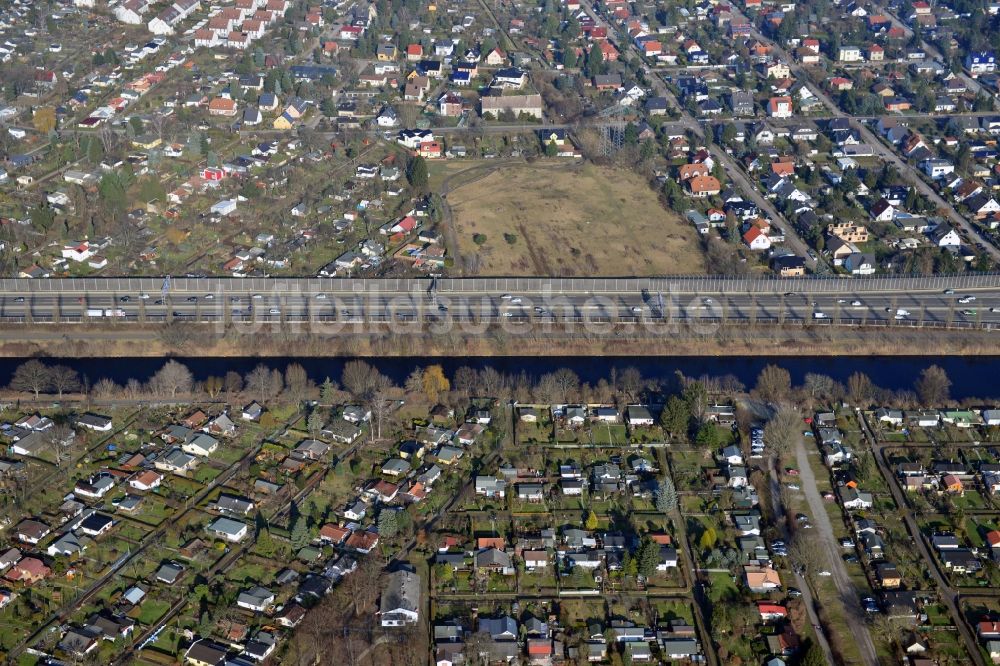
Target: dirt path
x,y
849,595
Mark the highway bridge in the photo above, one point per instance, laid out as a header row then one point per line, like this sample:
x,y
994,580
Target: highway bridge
x,y
966,301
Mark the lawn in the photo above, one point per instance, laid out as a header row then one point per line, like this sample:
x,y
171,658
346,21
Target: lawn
x,y
570,220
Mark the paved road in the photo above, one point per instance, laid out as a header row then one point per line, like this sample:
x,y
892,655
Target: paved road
x,y
849,595
947,594
780,521
477,301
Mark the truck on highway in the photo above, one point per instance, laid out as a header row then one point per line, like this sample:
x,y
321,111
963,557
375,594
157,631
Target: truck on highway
x,y
98,312
95,312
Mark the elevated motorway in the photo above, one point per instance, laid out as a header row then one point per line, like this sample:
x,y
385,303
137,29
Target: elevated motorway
x,y
967,301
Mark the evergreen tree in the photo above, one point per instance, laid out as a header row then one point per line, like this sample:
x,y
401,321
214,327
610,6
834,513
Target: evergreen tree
x,y
666,495
416,173
675,416
647,557
326,391
299,533
388,523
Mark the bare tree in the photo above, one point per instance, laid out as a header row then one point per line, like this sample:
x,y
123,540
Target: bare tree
x,y
32,376
105,388
381,406
172,378
465,380
860,390
934,386
820,387
233,382
65,379
807,553
773,384
567,383
492,384
630,382
783,430
359,378
297,383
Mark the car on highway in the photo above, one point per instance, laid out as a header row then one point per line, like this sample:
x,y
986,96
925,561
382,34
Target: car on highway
x,y
820,315
506,314
994,309
636,309
19,299
144,296
274,311
516,300
789,293
841,300
257,296
442,307
949,292
234,299
856,304
966,299
707,301
506,297
158,301
124,299
192,299
969,313
321,296
209,297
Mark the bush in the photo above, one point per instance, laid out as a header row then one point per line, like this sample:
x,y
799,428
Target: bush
x,y
510,238
479,239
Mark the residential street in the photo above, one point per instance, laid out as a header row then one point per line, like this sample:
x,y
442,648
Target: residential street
x,y
778,509
848,593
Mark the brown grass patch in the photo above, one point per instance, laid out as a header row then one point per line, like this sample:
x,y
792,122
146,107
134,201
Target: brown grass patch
x,y
571,220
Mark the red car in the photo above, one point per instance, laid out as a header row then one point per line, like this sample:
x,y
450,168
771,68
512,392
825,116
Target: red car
x,y
791,471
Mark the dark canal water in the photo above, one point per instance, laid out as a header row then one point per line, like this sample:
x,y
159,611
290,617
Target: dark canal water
x,y
971,376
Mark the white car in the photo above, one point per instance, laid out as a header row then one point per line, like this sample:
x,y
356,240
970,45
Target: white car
x,y
824,572
966,299
856,304
144,296
820,315
516,300
321,296
506,297
274,311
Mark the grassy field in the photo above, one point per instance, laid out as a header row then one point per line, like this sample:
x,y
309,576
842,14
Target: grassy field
x,y
570,220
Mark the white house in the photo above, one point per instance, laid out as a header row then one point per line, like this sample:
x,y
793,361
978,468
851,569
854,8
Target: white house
x,y
400,602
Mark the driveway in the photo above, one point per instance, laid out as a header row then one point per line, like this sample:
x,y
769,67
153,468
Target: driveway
x,y
849,595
